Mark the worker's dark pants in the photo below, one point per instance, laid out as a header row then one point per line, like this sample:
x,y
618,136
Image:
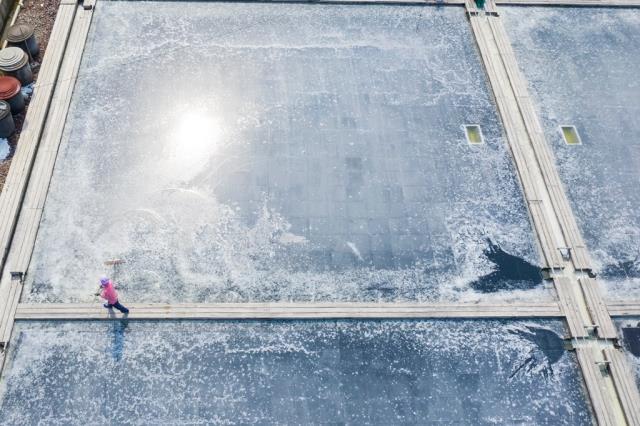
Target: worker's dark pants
x,y
119,307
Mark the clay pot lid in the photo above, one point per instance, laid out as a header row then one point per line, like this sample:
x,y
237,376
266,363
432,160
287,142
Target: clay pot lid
x,y
12,58
9,87
5,109
19,33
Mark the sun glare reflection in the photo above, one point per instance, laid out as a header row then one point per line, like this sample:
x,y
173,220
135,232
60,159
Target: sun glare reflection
x,y
195,139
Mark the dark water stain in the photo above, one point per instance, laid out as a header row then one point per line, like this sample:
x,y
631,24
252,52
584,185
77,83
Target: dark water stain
x,y
631,337
510,273
549,348
623,269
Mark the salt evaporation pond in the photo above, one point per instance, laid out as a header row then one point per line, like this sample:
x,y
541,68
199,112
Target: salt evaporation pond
x,y
267,152
629,329
582,66
301,372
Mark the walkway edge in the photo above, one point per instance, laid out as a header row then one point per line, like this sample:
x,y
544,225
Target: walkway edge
x,y
146,311
38,150
22,163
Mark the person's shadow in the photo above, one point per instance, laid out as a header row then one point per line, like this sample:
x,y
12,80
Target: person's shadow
x,y
118,329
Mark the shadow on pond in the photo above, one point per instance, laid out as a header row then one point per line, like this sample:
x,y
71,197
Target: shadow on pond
x,y
623,269
510,272
631,339
548,349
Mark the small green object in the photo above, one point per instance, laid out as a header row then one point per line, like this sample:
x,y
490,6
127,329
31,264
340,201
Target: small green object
x,y
474,134
480,4
571,136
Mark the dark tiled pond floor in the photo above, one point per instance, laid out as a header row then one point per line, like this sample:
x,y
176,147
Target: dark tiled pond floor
x,y
338,372
255,152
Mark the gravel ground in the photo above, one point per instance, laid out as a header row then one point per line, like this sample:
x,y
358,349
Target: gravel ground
x,y
40,14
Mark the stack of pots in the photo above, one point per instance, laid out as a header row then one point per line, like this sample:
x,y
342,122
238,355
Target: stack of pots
x,y
7,126
10,92
22,36
11,102
14,65
15,61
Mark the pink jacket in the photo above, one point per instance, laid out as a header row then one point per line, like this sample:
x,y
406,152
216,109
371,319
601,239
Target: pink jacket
x,y
109,293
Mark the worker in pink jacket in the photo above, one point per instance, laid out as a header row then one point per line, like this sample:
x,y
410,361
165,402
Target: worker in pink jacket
x,y
108,292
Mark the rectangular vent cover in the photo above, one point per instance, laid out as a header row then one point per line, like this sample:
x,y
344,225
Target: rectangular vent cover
x,y
570,135
474,134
